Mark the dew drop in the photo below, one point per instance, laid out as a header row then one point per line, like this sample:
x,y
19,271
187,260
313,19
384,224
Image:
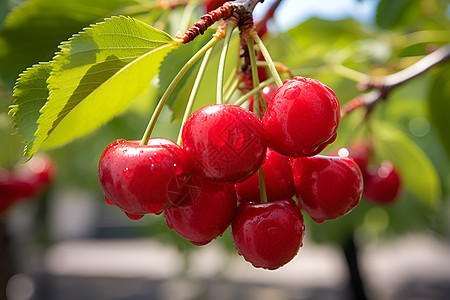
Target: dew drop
x,y
126,172
108,201
317,220
177,169
133,216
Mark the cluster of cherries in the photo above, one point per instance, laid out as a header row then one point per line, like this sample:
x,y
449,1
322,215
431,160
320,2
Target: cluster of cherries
x,y
212,181
26,181
382,183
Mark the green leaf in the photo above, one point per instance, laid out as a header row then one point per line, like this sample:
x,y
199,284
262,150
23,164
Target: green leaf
x,y
390,13
439,106
34,29
96,75
30,95
416,170
322,34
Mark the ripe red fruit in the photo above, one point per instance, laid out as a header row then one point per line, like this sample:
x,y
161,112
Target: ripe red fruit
x,y
382,184
278,180
213,4
328,187
302,118
268,235
7,191
360,152
206,210
224,142
141,179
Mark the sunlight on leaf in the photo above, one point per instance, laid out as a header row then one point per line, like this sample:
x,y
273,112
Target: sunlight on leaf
x,y
96,75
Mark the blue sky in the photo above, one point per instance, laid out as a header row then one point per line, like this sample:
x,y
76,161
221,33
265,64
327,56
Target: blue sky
x,y
293,12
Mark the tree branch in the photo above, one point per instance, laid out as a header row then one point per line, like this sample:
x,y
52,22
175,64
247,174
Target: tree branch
x,y
383,86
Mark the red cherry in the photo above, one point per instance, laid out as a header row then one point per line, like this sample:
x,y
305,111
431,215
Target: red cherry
x,y
382,184
7,191
278,180
213,4
328,187
141,179
302,118
224,142
268,235
204,213
34,176
360,152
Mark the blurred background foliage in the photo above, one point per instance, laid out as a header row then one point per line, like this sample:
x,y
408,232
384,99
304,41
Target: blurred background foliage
x,y
409,128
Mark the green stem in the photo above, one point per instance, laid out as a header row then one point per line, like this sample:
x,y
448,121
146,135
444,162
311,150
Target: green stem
x,y
194,91
253,92
223,56
172,85
258,97
350,73
230,80
262,186
255,79
231,89
269,60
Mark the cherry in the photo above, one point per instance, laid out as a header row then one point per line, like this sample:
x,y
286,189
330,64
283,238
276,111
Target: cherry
x,y
224,142
302,117
382,184
7,191
268,235
328,187
213,4
141,179
206,210
278,180
361,152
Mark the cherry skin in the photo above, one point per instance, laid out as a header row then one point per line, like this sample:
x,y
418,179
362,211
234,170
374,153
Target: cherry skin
x,y
302,117
213,4
327,187
361,152
225,143
382,184
141,179
206,210
268,235
278,180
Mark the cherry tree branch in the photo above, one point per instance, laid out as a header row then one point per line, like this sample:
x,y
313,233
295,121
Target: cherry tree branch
x,y
383,86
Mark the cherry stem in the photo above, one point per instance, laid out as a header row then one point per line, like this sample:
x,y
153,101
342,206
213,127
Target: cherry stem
x,y
230,80
258,97
256,83
231,90
268,58
255,77
262,186
350,73
254,91
221,71
172,85
194,91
